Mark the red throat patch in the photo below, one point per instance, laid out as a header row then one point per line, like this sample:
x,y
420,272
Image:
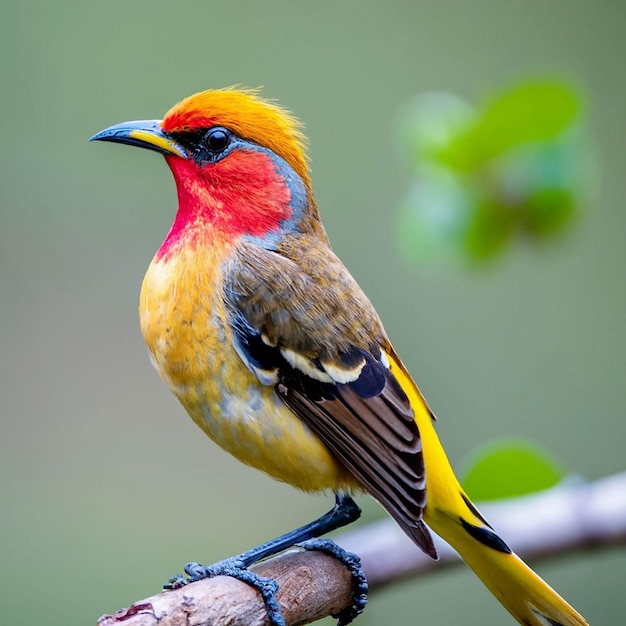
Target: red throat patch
x,y
239,195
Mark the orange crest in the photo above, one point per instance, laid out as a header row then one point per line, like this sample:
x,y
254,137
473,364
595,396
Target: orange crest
x,y
247,115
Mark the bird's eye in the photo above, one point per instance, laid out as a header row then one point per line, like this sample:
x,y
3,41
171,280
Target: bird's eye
x,y
217,139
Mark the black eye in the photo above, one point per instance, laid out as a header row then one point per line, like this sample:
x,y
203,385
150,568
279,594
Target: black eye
x,y
217,139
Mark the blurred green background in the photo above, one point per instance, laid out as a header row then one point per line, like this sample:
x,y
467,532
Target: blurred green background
x,y
106,487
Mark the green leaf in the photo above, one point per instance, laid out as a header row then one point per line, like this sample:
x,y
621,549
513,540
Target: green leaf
x,y
491,227
509,469
548,211
532,112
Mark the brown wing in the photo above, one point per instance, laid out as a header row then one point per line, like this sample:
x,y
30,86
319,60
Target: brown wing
x,y
377,440
308,329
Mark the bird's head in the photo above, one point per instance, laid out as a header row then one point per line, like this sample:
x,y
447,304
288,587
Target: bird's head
x,y
239,163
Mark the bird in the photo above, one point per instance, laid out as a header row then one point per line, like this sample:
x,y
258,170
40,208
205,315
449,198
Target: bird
x,y
277,354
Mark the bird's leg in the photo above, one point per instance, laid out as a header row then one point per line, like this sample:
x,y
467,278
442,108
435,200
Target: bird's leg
x,y
344,512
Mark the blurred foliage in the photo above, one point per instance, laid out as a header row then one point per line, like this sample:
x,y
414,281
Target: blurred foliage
x,y
508,469
484,176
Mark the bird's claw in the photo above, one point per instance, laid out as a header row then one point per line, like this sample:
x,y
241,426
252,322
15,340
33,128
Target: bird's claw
x,y
359,581
234,568
196,572
175,582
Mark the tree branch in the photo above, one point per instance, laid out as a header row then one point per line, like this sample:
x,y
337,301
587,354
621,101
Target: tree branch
x,y
314,585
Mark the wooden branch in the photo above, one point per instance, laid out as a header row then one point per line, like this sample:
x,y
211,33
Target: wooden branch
x,y
314,585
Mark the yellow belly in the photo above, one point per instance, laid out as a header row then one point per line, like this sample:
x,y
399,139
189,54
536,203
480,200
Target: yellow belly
x,y
184,324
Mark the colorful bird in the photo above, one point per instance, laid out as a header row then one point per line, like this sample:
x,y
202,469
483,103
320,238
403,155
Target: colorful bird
x,y
277,354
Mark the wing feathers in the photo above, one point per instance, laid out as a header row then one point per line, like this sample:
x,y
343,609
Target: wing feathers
x,y
308,329
399,432
377,439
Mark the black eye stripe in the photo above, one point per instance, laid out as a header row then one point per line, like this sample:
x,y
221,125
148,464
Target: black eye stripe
x,y
205,145
187,138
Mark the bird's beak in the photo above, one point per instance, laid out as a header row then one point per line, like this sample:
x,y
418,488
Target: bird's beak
x,y
142,133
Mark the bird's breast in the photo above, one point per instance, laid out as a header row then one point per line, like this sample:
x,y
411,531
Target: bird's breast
x,y
185,326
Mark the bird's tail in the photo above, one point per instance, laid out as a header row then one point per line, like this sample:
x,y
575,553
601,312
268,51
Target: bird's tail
x,y
522,592
451,514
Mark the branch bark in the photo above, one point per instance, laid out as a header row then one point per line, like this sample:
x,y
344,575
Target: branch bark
x,y
313,585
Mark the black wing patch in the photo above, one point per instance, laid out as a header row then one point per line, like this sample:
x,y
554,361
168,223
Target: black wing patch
x,y
258,355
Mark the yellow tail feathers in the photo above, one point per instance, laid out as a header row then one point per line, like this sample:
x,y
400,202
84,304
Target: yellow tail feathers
x,y
450,513
524,594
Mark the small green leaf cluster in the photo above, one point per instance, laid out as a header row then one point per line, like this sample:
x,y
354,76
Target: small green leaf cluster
x,y
517,167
